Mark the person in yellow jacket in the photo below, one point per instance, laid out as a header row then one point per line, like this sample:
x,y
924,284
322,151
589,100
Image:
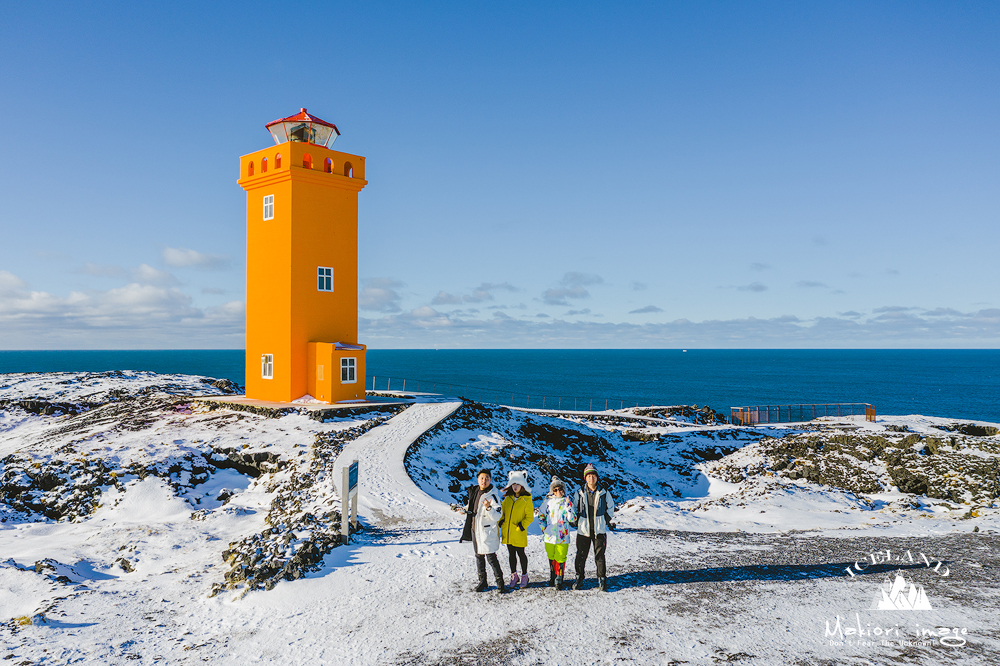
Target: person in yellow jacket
x,y
518,513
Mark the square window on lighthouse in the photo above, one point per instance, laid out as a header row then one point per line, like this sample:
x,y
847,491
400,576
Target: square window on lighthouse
x,y
267,366
348,368
269,207
324,278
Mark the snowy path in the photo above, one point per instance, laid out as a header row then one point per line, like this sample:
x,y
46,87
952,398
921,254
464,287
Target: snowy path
x,y
388,495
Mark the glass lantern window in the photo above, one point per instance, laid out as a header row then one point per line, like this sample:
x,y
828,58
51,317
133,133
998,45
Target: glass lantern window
x,y
279,133
322,134
304,133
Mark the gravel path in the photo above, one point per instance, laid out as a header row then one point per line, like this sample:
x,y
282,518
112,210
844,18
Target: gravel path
x,y
693,598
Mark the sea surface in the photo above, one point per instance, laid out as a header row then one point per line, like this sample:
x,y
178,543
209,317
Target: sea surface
x,y
949,383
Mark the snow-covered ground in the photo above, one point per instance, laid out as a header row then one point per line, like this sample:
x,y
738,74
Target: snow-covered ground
x,y
113,545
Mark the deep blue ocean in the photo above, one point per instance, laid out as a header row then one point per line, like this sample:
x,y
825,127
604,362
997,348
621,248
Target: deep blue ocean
x,y
949,383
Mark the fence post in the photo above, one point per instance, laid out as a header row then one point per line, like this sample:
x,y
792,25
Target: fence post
x,y
591,405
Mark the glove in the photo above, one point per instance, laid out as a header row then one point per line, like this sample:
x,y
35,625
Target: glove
x,y
520,526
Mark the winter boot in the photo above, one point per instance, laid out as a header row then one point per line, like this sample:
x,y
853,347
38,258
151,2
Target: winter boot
x,y
523,583
559,582
602,584
481,567
578,585
498,573
552,572
501,588
514,580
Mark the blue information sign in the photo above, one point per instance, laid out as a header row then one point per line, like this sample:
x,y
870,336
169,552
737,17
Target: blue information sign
x,y
352,477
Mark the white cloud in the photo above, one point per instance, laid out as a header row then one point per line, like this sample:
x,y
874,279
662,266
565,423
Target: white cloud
x,y
573,286
756,287
646,310
484,292
893,308
895,329
101,270
10,283
146,274
133,316
444,298
182,257
380,295
809,284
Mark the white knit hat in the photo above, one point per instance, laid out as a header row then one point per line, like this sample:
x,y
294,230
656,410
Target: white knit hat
x,y
520,477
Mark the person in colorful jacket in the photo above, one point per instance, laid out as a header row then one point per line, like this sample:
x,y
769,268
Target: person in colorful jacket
x,y
518,513
482,514
554,517
595,509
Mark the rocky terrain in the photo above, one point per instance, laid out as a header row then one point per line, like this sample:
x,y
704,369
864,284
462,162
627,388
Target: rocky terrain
x,y
107,430
955,462
636,454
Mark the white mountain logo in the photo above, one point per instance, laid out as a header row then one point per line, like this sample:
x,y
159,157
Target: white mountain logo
x,y
901,595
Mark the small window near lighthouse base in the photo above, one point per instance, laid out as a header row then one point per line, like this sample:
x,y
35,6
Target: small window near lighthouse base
x,y
348,370
324,278
267,366
269,207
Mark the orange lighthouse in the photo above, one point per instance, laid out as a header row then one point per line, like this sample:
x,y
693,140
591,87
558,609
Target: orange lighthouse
x,y
302,265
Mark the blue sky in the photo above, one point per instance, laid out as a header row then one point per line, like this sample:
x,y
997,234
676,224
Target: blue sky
x,y
710,174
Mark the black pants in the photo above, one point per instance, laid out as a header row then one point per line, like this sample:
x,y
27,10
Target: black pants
x,y
516,553
583,550
494,564
481,563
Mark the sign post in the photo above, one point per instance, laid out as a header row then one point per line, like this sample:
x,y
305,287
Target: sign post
x,y
349,500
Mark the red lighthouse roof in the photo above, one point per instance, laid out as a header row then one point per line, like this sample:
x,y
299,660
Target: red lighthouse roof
x,y
303,127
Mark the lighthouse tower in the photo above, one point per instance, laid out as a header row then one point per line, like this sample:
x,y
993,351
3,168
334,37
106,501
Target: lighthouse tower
x,y
302,265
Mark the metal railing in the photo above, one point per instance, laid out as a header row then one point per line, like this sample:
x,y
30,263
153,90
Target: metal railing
x,y
798,413
500,397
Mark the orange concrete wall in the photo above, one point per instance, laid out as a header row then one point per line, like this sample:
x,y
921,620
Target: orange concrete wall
x,y
330,388
315,224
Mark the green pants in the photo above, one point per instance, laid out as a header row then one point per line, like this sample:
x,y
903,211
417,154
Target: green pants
x,y
557,551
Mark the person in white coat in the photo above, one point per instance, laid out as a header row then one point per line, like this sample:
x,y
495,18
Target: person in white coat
x,y
482,517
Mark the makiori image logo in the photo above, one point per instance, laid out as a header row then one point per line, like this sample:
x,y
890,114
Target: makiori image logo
x,y
901,594
869,629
